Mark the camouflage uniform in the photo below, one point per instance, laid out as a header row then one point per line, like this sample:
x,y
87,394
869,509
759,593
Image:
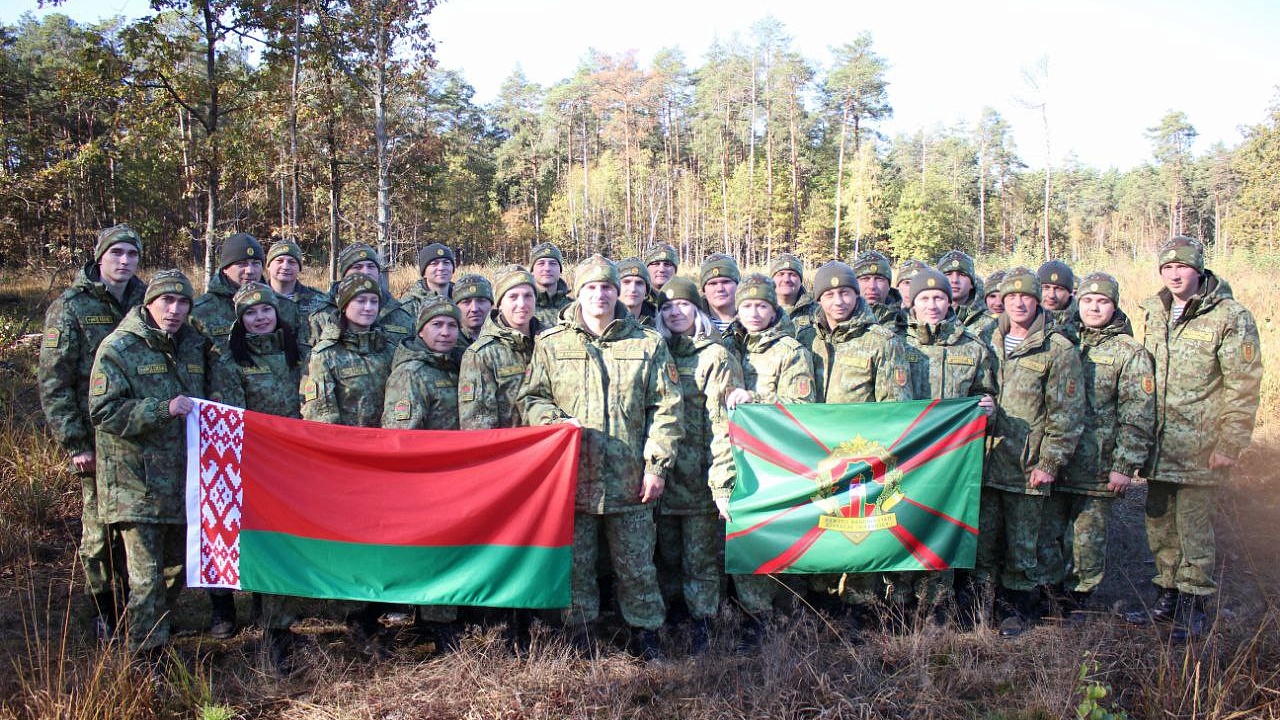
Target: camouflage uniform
x,y
971,311
346,377
623,387
1208,372
74,327
412,299
1067,321
551,303
803,315
690,535
492,370
267,382
947,361
860,361
141,456
890,314
396,322
305,301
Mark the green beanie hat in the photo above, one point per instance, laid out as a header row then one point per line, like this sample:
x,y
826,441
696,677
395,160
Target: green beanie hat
x,y
928,279
992,283
285,247
681,288
168,282
435,306
834,274
718,265
241,246
254,293
1020,280
113,235
352,285
634,267
1100,283
546,250
756,287
510,277
353,254
956,260
873,263
906,270
786,261
1182,249
1056,272
596,268
662,252
472,285
433,252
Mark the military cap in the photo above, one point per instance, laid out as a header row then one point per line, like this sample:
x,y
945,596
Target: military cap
x,y
681,288
352,285
662,252
1056,272
834,274
596,268
435,306
353,254
718,265
992,283
254,293
756,287
1182,249
634,267
168,282
928,278
1020,280
241,246
786,261
511,276
112,236
907,269
472,285
431,253
546,250
956,260
873,263
1100,283
285,247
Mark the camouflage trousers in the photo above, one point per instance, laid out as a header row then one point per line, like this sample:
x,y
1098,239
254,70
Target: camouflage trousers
x,y
1180,533
689,548
101,552
631,537
1008,531
1073,540
154,555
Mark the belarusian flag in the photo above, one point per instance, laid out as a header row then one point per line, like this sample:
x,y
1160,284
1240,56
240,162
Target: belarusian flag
x,y
413,516
855,488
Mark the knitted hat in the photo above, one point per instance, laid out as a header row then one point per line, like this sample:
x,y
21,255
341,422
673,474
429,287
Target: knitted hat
x,y
955,260
433,252
1100,283
681,288
352,285
662,252
834,274
510,277
435,306
756,287
928,279
353,254
546,250
472,285
254,293
596,268
634,267
111,236
786,261
992,283
1056,272
873,263
285,247
168,282
1020,280
906,270
1182,249
241,246
718,265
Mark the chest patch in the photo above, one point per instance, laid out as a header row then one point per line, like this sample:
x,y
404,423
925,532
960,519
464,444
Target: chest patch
x,y
256,370
195,369
445,383
220,330
1032,365
155,369
1201,335
398,329
1102,360
350,372
960,360
508,371
99,320
862,363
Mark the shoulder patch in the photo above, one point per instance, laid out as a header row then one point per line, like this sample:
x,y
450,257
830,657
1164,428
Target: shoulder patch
x,y
673,373
310,390
1250,351
466,392
803,385
402,409
98,384
52,337
1148,384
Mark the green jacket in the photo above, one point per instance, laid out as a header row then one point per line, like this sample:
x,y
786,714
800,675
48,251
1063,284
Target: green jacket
x,y
267,383
214,313
491,372
1067,321
803,315
413,298
776,368
74,326
1120,412
947,361
141,449
704,463
422,391
860,361
1040,410
306,301
624,389
890,314
346,377
396,322
1208,374
551,303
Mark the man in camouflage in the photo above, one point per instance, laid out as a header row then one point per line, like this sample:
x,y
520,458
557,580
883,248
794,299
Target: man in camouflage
x,y
75,325
663,262
214,312
719,275
602,370
546,263
635,291
787,273
493,367
435,277
992,285
967,298
1208,373
886,303
394,320
284,268
473,295
1058,285
902,277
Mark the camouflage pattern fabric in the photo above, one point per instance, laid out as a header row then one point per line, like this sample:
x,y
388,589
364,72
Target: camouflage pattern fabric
x,y
157,556
422,390
1078,522
306,302
550,304
346,377
688,561
396,323
890,314
704,463
776,368
418,292
214,313
268,384
491,373
860,361
1180,533
803,315
1067,321
1008,534
631,538
947,361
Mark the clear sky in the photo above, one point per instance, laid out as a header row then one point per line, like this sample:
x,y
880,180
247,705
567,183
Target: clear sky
x,y
1115,68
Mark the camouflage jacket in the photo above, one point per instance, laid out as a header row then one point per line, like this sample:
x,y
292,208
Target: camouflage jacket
x,y
347,376
803,315
396,323
1067,321
890,314
412,298
422,391
1208,375
214,313
1039,411
974,317
74,326
268,384
550,304
491,372
860,361
306,301
776,368
947,361
141,449
704,463
1120,409
624,389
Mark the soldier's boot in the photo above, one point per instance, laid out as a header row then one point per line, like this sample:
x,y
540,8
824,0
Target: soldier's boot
x,y
700,636
1161,611
278,645
753,632
1190,619
1019,611
222,620
107,618
651,646
1051,602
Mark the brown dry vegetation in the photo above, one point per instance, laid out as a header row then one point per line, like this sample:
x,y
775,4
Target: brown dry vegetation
x,y
51,669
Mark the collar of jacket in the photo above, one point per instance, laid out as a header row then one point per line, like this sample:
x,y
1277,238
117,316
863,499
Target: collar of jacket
x,y
620,327
138,322
946,332
851,327
562,290
1213,290
414,349
1036,338
1119,325
757,342
265,344
365,342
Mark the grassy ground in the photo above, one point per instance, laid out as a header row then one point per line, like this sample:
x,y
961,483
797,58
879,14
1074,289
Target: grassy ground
x,y
806,669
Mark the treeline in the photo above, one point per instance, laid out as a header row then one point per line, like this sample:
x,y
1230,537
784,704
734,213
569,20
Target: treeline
x,y
325,121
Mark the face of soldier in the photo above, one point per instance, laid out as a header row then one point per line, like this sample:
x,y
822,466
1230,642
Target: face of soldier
x,y
597,299
874,288
438,273
634,291
660,272
994,303
1021,309
679,316
259,319
931,306
474,311
440,334
788,284
243,271
904,289
1181,280
362,312
118,263
756,315
546,271
169,311
1096,310
838,304
961,285
1055,297
517,306
283,271
368,268
720,293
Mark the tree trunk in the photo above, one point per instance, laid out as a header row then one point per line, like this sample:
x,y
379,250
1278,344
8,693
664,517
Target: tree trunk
x,y
380,141
211,133
295,197
844,129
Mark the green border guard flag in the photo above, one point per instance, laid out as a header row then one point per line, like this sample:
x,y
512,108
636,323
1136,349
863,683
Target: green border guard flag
x,y
867,487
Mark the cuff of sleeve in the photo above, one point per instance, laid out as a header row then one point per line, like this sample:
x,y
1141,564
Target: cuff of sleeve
x,y
721,493
1050,467
661,469
162,411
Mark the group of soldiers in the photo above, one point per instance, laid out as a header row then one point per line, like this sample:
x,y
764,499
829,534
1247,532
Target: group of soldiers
x,y
650,363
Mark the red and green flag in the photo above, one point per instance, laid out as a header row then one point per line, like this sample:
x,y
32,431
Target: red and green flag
x,y
866,487
426,517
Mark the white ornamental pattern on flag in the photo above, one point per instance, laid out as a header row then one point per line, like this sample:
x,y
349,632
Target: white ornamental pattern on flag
x,y
215,440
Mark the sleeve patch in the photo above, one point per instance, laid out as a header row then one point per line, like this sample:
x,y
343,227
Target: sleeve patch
x,y
672,373
467,392
1249,350
98,384
310,390
1148,384
52,337
402,409
804,384
1071,387
900,376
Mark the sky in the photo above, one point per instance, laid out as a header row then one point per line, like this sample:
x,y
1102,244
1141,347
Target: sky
x,y
1114,68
